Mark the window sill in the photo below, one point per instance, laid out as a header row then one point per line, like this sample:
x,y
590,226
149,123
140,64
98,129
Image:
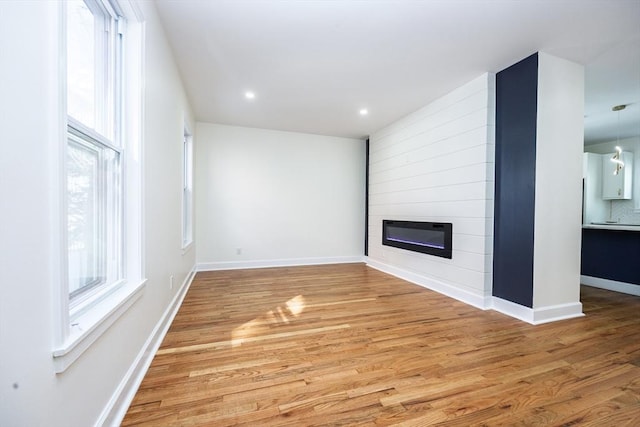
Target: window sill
x,y
89,326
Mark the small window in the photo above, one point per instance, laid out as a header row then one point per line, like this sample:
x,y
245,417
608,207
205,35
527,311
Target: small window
x,y
187,189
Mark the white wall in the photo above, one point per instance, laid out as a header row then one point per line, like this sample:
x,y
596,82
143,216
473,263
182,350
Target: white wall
x,y
437,165
31,394
266,197
558,185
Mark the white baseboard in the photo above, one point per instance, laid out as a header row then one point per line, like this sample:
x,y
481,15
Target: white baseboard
x,y
292,262
611,285
534,316
537,316
554,313
512,309
479,301
116,409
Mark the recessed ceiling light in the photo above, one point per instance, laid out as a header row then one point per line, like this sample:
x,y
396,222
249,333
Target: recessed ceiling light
x,y
249,95
364,112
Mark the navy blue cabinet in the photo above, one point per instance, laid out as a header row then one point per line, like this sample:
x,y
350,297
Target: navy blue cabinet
x,y
611,254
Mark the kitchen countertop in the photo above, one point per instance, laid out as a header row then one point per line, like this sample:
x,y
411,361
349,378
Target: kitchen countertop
x,y
612,226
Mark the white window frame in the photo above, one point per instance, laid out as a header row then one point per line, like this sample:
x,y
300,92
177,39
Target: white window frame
x,y
187,189
80,323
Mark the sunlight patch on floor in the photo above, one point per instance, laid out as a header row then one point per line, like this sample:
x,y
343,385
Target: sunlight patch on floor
x,y
284,313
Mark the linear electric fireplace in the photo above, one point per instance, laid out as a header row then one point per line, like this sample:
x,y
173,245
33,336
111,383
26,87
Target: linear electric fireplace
x,y
433,238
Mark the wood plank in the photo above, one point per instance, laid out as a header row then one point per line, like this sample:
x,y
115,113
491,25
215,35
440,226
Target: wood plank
x,y
349,345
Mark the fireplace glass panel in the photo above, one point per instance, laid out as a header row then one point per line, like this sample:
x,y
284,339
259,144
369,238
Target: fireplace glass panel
x,y
433,238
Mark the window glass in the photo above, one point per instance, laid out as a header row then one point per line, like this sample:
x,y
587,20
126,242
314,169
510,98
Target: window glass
x,y
81,63
83,212
93,215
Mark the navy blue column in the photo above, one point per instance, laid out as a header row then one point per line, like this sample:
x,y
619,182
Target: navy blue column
x,y
516,111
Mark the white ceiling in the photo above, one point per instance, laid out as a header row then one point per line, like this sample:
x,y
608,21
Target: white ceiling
x,y
313,64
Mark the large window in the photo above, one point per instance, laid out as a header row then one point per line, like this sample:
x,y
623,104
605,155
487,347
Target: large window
x,y
99,176
94,149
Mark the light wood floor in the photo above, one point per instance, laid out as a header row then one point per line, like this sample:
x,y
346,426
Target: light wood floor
x,y
349,345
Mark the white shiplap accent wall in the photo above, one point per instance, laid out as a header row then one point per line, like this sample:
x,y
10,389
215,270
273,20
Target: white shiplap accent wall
x,y
437,164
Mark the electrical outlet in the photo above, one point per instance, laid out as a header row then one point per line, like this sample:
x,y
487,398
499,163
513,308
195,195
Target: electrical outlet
x,y
171,282
238,251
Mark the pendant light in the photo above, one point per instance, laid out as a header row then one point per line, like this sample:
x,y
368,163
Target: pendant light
x,y
616,158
